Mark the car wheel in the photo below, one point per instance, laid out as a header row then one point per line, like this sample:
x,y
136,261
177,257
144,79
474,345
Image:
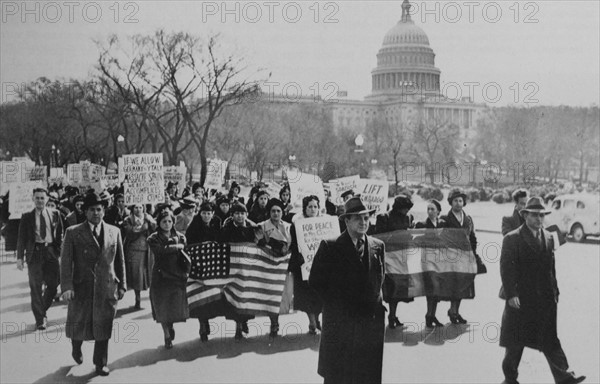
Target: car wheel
x,y
577,233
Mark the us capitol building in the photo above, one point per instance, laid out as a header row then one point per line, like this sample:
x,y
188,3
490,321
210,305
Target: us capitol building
x,y
405,87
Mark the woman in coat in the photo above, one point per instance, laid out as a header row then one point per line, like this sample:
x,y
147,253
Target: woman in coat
x,y
169,276
238,229
433,221
275,233
305,298
258,213
136,228
457,218
396,219
205,227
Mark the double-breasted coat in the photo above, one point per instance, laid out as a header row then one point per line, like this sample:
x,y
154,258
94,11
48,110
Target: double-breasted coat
x,y
95,272
351,349
528,272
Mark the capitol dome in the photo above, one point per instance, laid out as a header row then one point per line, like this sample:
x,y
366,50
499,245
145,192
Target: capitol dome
x,y
406,33
405,62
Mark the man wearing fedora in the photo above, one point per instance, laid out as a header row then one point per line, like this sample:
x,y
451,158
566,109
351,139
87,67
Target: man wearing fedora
x,y
531,292
38,243
347,273
92,280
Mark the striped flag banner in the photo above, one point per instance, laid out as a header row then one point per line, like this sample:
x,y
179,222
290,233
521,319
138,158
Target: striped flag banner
x,y
428,262
254,285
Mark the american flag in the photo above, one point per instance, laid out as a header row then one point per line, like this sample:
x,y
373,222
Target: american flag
x,y
254,285
210,260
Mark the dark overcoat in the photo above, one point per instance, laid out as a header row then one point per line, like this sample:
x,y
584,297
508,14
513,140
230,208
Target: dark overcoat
x,y
510,223
528,272
351,349
169,277
95,272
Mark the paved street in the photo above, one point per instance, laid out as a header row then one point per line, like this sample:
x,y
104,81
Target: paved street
x,y
468,354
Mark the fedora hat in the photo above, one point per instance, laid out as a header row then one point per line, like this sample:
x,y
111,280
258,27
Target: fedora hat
x,y
355,206
92,199
535,204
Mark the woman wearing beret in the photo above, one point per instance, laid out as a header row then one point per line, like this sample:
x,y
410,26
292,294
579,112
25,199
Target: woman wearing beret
x,y
433,221
396,219
457,218
169,276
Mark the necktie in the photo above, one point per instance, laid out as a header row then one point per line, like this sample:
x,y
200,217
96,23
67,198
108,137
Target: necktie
x,y
97,233
538,238
360,249
42,226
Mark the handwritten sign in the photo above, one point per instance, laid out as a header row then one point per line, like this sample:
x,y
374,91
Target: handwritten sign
x,y
310,232
304,184
20,198
341,185
176,175
374,193
143,178
215,174
20,171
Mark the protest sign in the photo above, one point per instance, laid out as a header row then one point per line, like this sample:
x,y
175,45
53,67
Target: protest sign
x,y
273,189
109,181
215,174
20,199
143,178
374,193
177,175
20,171
304,184
341,185
74,176
310,232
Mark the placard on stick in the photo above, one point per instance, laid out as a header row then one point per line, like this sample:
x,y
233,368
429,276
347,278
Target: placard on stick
x,y
143,178
310,232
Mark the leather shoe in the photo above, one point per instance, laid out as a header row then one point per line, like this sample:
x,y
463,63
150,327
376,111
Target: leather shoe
x,y
42,326
102,370
574,380
77,356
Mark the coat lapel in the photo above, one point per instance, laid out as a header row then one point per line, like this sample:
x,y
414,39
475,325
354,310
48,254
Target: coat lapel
x,y
528,238
89,236
349,250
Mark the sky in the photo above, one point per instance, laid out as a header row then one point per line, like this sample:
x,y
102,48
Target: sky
x,y
498,53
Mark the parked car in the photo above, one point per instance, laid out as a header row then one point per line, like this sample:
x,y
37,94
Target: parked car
x,y
576,215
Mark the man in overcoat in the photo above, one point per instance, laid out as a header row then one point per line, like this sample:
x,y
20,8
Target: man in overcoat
x,y
514,221
531,293
348,275
92,280
39,242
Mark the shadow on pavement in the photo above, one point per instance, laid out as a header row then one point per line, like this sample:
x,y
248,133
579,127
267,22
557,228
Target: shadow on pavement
x,y
411,334
61,376
222,348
